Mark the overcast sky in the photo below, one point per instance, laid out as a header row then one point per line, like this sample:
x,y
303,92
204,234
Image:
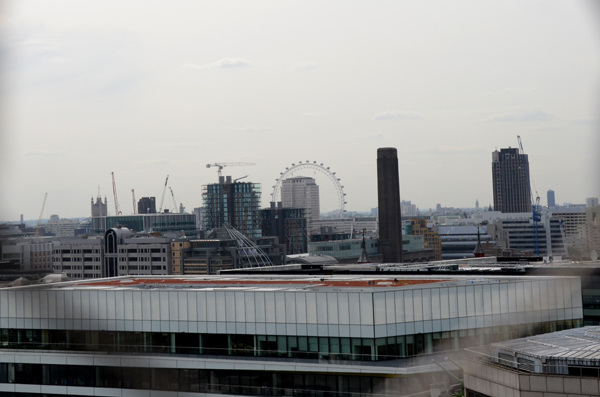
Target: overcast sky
x,y
146,89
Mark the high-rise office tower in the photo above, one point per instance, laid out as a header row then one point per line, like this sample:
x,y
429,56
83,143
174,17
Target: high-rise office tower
x,y
510,179
301,192
233,203
388,196
551,198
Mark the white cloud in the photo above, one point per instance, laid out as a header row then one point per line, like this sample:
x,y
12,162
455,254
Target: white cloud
x,y
521,116
397,115
230,63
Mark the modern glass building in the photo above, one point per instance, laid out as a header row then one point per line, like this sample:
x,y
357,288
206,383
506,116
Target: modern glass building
x,y
263,335
232,203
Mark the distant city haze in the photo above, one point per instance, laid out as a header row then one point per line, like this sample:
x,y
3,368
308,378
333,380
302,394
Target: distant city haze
x,y
147,90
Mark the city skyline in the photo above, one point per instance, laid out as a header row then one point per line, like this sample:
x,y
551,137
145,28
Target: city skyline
x,y
156,90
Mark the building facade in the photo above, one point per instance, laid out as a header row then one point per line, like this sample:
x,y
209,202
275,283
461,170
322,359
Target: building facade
x,y
148,223
99,208
33,254
510,180
564,363
551,198
232,203
146,205
263,335
301,192
289,225
211,255
460,241
118,253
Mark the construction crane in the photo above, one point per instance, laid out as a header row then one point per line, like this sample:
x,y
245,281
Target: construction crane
x,y
535,204
117,209
174,201
133,198
37,229
162,200
220,166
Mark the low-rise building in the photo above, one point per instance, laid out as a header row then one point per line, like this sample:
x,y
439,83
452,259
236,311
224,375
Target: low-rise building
x,y
263,335
119,252
565,363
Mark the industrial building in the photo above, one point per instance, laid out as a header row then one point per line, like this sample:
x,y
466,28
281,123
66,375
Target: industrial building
x,y
388,196
510,180
232,203
263,335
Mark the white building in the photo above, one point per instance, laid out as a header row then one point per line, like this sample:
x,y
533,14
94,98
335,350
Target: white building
x,y
263,335
61,227
119,253
301,192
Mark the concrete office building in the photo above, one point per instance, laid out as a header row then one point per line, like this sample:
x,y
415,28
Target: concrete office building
x,y
351,226
565,363
232,203
591,202
263,335
164,223
61,227
510,179
460,241
30,254
301,192
388,196
119,252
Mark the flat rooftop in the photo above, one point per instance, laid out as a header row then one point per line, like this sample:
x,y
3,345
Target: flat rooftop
x,y
363,283
580,346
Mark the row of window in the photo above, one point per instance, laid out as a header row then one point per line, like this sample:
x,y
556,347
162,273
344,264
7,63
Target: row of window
x,y
314,347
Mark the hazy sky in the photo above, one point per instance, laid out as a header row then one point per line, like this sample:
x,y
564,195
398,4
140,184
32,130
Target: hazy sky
x,y
146,89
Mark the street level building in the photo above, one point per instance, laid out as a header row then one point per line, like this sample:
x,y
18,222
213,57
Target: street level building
x,y
263,335
510,180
